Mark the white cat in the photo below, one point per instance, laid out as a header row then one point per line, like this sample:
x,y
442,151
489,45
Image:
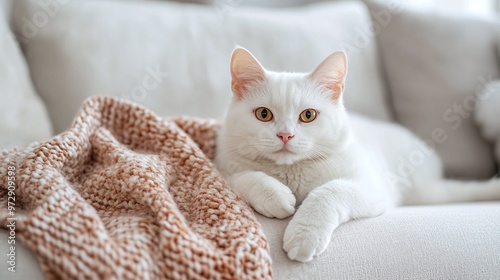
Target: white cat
x,y
287,141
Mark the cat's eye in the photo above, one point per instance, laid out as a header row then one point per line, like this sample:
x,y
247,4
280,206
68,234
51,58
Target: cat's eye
x,y
308,115
263,114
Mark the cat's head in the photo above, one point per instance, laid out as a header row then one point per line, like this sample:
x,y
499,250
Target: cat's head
x,y
285,117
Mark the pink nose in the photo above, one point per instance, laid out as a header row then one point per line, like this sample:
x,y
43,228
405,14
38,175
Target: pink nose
x,y
285,136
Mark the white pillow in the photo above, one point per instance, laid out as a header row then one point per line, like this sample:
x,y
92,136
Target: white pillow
x,y
435,64
174,58
5,6
23,116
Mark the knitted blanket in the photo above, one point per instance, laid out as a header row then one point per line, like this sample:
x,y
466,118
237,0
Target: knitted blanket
x,y
125,194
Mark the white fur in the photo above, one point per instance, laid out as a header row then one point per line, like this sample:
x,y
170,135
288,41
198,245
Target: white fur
x,y
341,166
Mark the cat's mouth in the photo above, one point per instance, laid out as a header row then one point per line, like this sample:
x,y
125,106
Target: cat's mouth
x,y
284,150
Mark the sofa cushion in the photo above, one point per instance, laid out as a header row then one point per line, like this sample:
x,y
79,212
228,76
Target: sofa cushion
x,y
5,8
424,242
487,115
24,117
435,65
498,48
174,58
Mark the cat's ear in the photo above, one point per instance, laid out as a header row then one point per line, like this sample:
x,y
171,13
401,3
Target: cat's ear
x,y
245,69
331,73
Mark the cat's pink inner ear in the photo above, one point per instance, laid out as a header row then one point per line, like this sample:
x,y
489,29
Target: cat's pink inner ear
x,y
332,73
245,70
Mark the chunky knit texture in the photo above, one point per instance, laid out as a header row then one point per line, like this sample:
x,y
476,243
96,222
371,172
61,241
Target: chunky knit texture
x,y
125,194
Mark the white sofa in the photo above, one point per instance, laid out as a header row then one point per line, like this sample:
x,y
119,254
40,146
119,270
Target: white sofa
x,y
405,66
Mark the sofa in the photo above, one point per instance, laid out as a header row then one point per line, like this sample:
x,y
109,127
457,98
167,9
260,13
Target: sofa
x,y
436,74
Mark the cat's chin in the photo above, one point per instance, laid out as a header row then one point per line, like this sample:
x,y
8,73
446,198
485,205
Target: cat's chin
x,y
284,158
284,161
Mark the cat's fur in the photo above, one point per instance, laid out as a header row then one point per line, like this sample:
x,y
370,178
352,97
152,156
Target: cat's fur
x,y
336,168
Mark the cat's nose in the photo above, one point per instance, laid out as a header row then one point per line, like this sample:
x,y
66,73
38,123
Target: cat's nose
x,y
285,136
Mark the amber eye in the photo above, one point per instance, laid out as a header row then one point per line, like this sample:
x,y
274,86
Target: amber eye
x,y
308,115
263,114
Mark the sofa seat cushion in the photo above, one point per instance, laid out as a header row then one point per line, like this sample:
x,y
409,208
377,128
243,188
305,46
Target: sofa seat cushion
x,y
457,241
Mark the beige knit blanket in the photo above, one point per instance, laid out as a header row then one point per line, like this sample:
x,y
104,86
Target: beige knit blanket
x,y
125,194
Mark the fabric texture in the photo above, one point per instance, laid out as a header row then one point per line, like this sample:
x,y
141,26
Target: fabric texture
x,y
124,194
24,116
436,65
457,241
174,58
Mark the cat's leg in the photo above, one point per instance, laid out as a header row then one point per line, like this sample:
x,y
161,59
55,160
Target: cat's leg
x,y
441,190
429,186
264,193
324,209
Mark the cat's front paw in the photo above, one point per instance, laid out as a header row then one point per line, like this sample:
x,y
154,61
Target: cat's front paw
x,y
303,241
309,232
265,194
275,202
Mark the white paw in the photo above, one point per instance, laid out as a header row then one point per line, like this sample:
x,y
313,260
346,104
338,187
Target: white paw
x,y
274,202
303,239
265,194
